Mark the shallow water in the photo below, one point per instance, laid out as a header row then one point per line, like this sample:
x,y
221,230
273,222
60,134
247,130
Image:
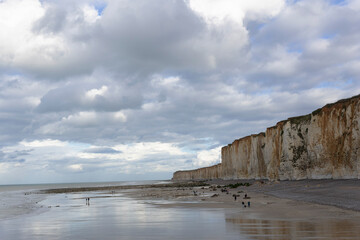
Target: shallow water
x,y
16,200
115,216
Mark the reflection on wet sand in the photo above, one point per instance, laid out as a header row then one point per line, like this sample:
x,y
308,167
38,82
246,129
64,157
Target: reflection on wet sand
x,y
282,229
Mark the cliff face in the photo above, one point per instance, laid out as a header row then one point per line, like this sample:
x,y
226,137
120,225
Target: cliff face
x,y
213,172
323,144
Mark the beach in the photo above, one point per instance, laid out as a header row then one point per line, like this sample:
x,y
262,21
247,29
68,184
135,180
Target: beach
x,y
305,209
326,209
286,199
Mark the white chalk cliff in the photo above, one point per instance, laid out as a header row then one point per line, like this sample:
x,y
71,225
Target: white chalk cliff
x,y
323,144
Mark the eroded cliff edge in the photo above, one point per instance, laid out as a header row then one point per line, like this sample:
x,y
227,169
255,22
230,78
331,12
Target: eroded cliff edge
x,y
323,144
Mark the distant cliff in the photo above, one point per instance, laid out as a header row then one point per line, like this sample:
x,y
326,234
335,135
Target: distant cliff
x,y
213,172
323,144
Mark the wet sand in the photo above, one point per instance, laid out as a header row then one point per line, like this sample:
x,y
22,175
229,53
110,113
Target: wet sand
x,y
278,199
278,210
268,217
344,193
308,199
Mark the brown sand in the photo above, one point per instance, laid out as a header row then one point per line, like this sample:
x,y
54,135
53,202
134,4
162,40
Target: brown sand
x,y
309,209
339,193
310,199
306,199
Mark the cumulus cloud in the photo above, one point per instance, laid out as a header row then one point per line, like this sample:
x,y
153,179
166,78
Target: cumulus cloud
x,y
75,167
208,157
64,158
44,143
307,42
82,97
105,150
126,87
217,11
14,157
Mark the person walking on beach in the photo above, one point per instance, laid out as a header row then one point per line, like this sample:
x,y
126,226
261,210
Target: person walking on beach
x,y
248,204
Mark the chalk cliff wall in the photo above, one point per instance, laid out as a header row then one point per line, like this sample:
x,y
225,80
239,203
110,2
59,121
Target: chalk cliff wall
x,y
213,172
323,144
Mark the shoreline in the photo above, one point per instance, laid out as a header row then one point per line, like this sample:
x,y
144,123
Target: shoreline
x,y
306,199
342,193
202,204
268,200
203,212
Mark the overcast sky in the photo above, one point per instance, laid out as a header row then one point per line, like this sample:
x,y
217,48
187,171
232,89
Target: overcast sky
x,y
107,90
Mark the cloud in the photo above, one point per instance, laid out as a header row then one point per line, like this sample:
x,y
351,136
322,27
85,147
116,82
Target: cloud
x,y
44,143
63,159
130,87
208,157
131,38
307,43
106,150
85,97
14,157
217,11
76,167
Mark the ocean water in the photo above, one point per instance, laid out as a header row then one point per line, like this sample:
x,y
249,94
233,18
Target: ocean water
x,y
17,199
116,216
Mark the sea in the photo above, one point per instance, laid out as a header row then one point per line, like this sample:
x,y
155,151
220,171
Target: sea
x,y
27,215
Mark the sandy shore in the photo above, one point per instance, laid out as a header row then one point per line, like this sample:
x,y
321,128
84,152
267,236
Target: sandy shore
x,y
308,199
339,193
284,210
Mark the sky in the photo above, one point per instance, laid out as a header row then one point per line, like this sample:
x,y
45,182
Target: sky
x,y
116,90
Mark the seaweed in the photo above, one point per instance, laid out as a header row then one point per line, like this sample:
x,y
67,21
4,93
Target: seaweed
x,y
236,185
122,187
